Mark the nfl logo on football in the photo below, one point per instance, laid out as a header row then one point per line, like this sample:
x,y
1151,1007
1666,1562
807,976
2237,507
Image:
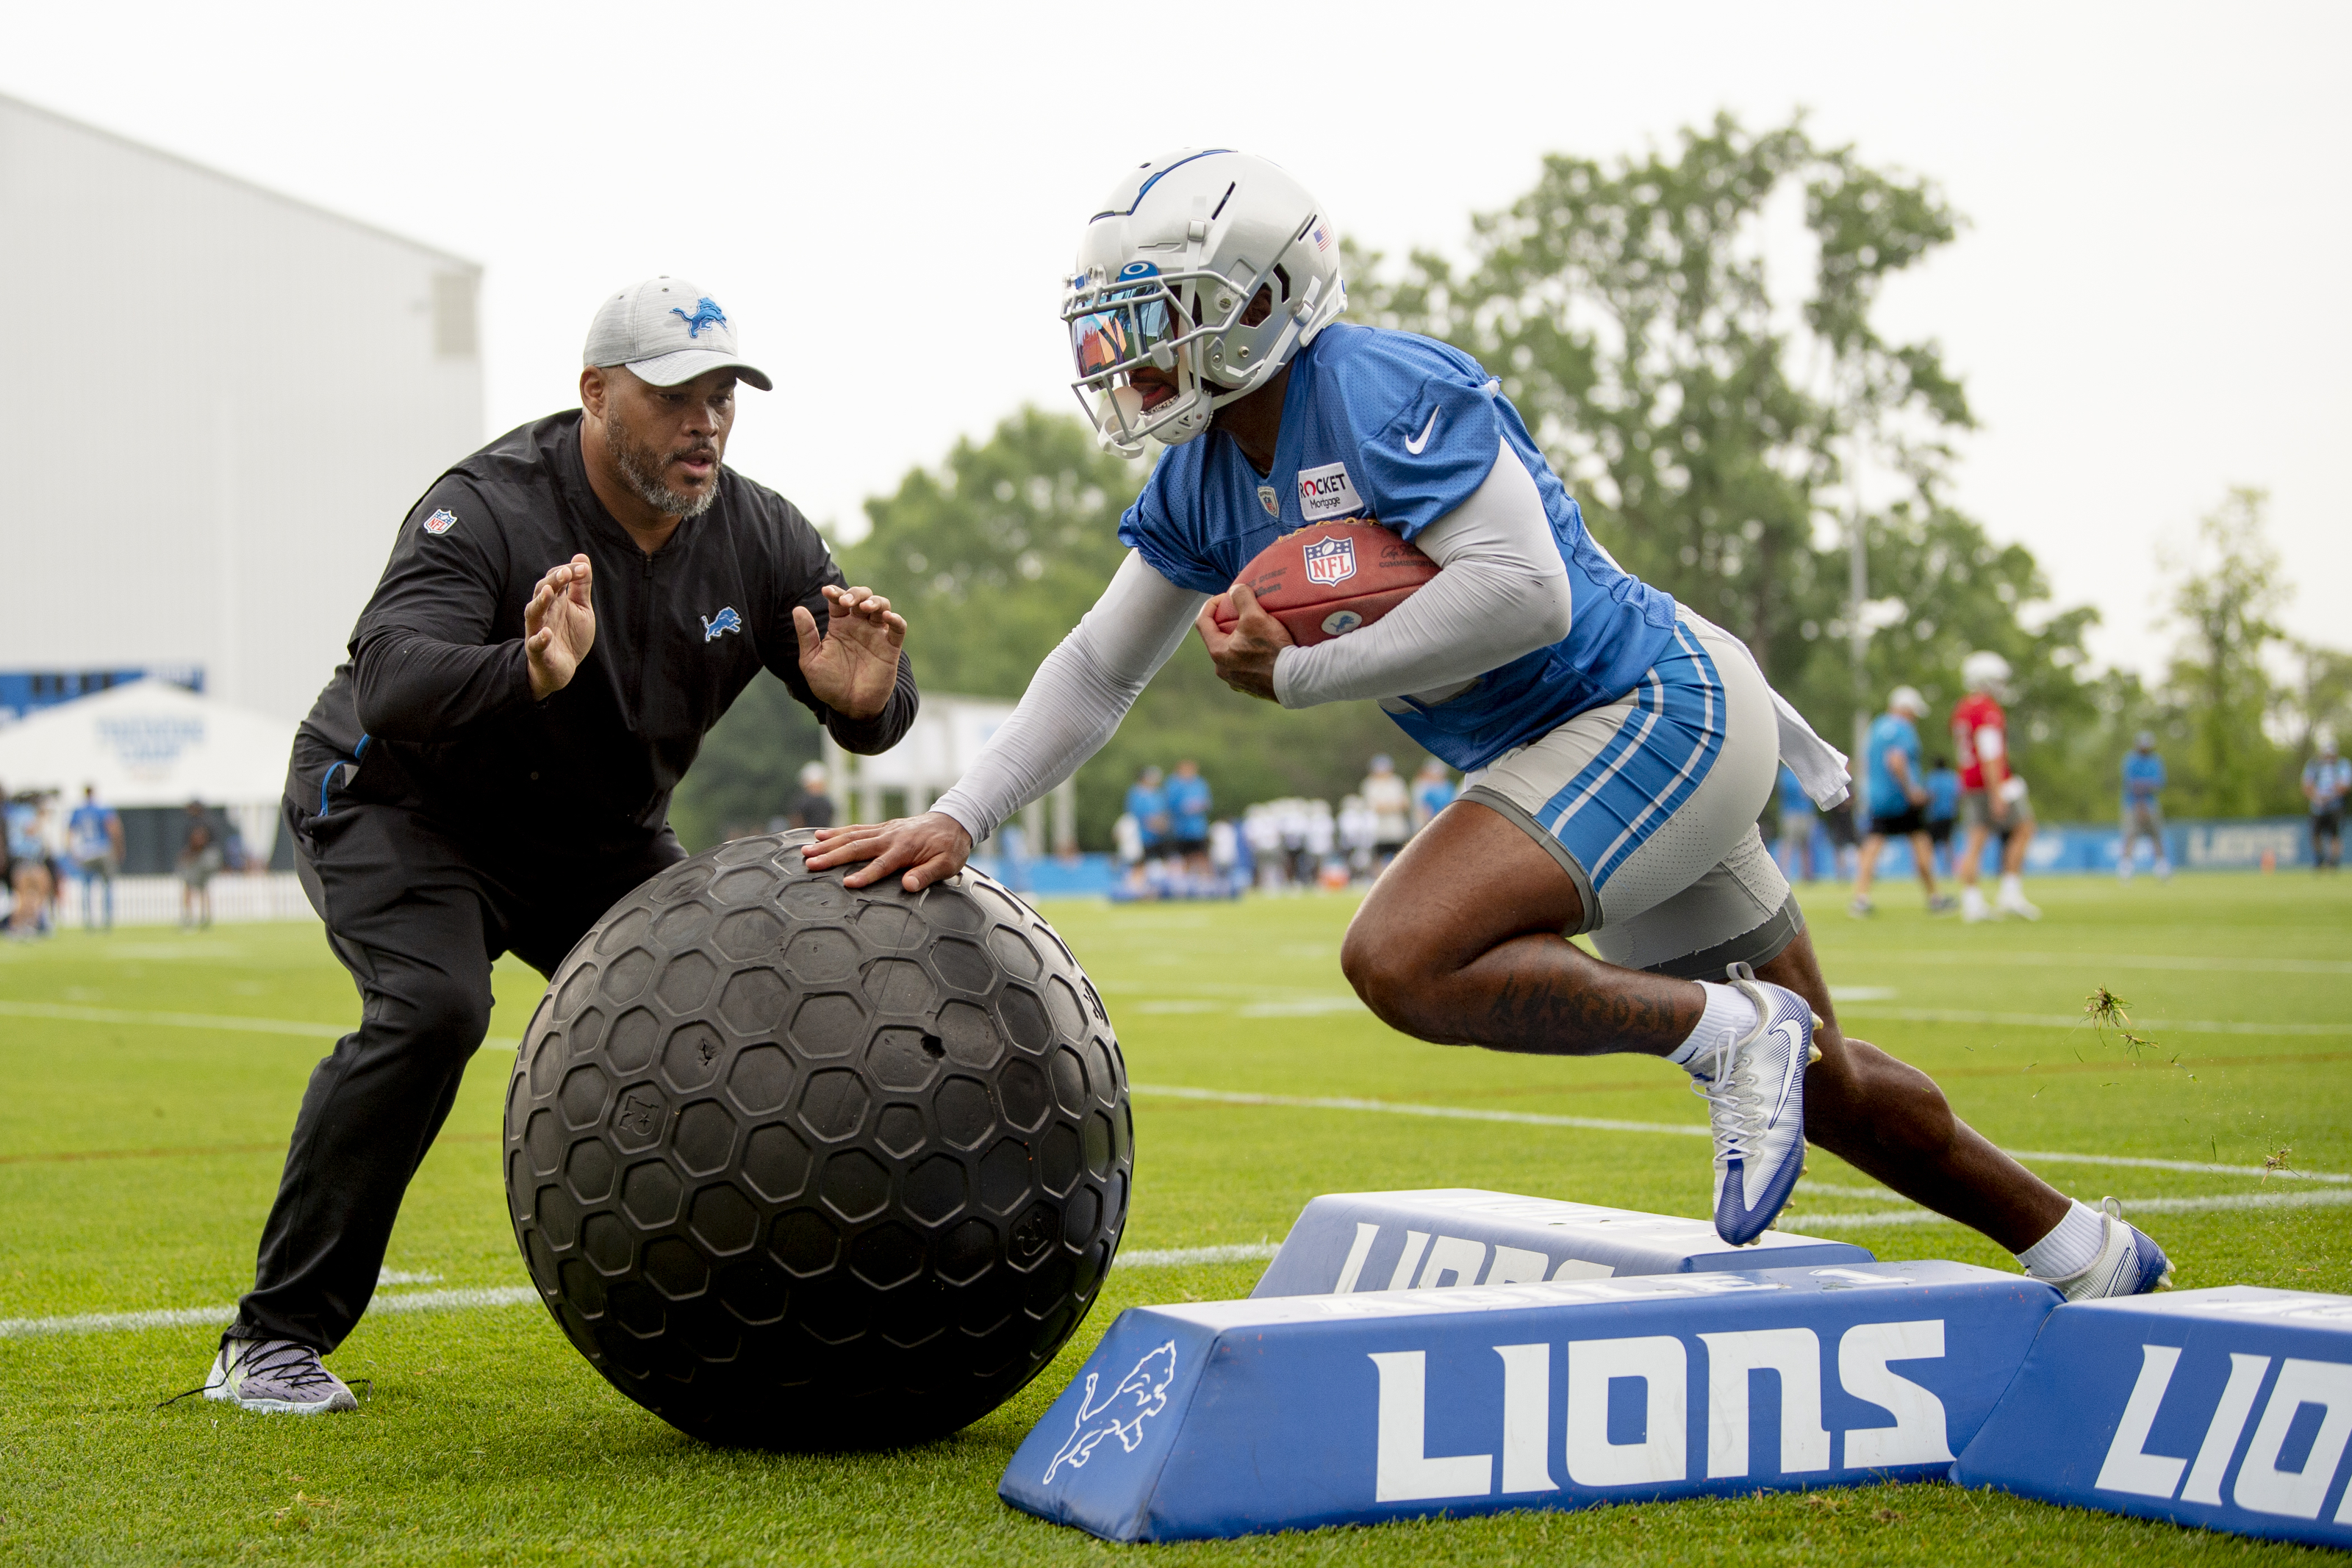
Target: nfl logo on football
x,y
1330,560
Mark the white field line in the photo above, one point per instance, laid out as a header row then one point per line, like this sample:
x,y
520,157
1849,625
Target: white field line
x,y
2167,963
198,1317
1805,1223
1180,1256
1679,1129
61,1012
2076,1020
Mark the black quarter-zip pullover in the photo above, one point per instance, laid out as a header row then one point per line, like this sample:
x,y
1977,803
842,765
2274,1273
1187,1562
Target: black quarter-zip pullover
x,y
433,701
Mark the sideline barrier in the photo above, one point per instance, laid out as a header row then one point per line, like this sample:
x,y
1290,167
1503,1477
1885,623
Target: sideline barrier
x,y
2228,1409
1347,1242
1225,1418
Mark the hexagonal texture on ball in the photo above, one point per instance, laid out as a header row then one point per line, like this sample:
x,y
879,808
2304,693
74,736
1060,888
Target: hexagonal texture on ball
x,y
800,1166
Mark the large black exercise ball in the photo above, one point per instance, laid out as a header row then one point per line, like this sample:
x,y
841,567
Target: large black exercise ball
x,y
800,1166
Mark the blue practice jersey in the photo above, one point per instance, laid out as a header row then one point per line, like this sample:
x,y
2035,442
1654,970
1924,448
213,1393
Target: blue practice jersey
x,y
1385,426
2143,777
1432,795
1792,792
86,832
1943,795
1148,807
1891,732
1188,807
2330,779
25,830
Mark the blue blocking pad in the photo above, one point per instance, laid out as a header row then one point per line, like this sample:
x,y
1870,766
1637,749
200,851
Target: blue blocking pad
x,y
1350,1242
1224,1419
2228,1409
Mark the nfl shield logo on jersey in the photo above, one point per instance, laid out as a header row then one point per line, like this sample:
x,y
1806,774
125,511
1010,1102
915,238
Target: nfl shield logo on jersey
x,y
1330,561
441,521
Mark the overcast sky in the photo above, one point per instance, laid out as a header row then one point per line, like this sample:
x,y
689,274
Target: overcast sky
x,y
2149,303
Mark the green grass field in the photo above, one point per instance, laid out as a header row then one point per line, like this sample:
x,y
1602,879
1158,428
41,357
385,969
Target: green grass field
x,y
153,1078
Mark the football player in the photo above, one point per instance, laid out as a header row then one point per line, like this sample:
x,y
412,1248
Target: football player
x,y
1619,747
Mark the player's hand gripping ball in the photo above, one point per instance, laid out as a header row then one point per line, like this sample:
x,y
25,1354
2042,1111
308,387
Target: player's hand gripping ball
x,y
1325,582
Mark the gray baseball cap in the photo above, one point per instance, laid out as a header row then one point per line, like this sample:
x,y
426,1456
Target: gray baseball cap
x,y
666,330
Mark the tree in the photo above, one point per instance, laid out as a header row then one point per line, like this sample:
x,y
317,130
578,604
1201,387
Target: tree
x,y
1713,429
1628,313
2228,592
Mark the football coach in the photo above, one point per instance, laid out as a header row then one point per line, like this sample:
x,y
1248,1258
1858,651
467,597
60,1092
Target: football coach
x,y
565,615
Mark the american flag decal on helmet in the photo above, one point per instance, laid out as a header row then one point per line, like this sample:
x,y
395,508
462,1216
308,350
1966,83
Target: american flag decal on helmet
x,y
1322,236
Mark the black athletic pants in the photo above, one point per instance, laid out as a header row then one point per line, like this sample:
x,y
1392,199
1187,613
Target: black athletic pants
x,y
417,919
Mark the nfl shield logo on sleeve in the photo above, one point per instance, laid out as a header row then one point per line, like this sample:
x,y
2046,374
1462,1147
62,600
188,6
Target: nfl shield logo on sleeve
x,y
1330,561
441,522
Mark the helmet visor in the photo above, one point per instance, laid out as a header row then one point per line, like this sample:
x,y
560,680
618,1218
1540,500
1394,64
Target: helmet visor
x,y
1125,331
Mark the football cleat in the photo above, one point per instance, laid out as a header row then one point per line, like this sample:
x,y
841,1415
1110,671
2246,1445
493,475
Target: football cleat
x,y
2129,1264
1861,908
1755,1091
1942,904
1973,906
2012,902
278,1375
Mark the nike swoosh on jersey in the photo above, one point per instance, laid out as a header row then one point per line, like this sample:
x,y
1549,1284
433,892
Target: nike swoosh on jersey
x,y
1418,443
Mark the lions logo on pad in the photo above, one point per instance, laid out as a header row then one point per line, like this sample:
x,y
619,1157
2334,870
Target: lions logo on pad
x,y
1141,1393
441,522
1330,561
725,621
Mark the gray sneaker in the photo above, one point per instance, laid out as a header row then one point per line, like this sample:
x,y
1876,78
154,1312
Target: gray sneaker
x,y
278,1375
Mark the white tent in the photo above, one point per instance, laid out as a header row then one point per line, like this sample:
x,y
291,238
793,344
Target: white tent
x,y
155,744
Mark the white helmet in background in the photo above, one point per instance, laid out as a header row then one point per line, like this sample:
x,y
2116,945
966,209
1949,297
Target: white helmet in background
x,y
1985,671
1166,273
1906,700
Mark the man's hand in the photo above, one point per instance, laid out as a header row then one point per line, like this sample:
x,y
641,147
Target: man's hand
x,y
930,848
854,667
1244,656
558,627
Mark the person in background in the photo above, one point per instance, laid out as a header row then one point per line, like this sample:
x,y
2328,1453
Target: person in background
x,y
1980,738
1262,838
1837,821
1357,829
28,869
1189,804
1322,864
201,858
1899,799
813,808
2016,833
2143,811
1433,792
1390,805
1943,809
94,840
2326,780
1147,803
1793,843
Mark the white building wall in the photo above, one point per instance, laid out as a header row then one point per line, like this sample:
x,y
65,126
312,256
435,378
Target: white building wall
x,y
217,404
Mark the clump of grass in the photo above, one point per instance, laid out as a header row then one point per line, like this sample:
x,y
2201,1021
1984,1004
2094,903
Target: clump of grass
x,y
2106,1011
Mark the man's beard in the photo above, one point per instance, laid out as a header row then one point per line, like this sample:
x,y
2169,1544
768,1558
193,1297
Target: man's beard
x,y
642,466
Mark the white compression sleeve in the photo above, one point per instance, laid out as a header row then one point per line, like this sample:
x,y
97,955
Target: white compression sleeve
x,y
1077,698
1503,591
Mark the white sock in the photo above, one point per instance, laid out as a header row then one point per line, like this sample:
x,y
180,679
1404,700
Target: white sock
x,y
2011,885
2072,1246
1729,1015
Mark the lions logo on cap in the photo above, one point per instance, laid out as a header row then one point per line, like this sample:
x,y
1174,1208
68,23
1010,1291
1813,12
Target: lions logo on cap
x,y
705,314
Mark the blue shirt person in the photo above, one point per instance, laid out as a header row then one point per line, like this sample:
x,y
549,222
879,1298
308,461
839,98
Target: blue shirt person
x,y
2326,780
1892,735
1188,805
1147,803
1433,791
94,840
1943,792
2143,773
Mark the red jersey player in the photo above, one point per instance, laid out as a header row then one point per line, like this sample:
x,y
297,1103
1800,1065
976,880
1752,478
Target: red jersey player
x,y
1989,794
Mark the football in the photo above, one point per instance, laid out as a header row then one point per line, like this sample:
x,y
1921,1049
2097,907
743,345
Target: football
x,y
1325,582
